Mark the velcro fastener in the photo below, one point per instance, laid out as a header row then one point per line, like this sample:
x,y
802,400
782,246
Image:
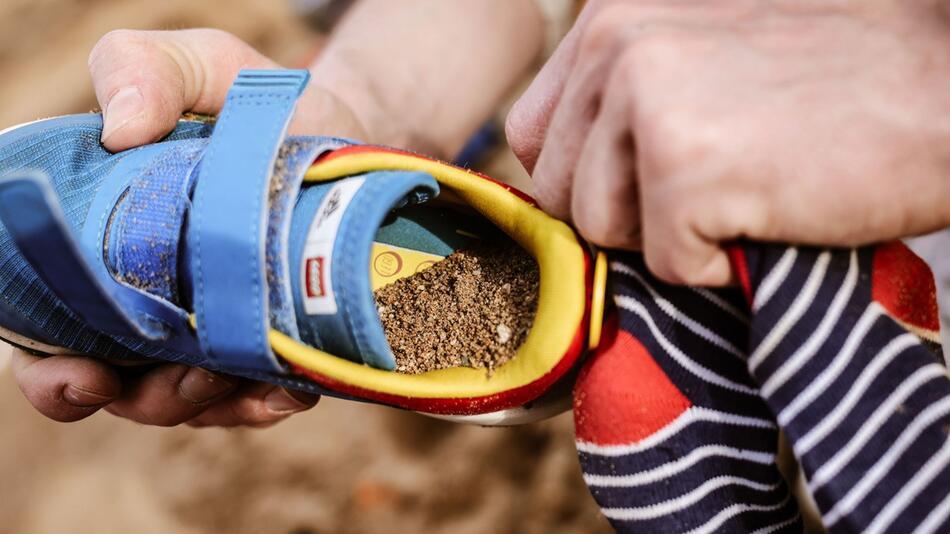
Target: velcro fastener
x,y
31,212
144,232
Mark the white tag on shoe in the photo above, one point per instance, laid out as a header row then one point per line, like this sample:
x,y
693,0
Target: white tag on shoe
x,y
316,264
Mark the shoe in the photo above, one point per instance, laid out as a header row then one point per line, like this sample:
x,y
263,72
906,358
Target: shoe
x,y
229,246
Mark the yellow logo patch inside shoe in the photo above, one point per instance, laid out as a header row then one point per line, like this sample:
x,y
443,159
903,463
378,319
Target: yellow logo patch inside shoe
x,y
389,263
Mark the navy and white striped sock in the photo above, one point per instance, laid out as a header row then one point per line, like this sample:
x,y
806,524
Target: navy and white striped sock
x,y
676,413
671,431
844,348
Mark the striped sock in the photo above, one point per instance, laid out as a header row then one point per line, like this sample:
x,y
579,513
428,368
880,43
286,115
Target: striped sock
x,y
671,431
844,348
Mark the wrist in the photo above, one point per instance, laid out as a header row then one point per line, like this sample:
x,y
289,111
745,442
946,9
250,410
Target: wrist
x,y
320,112
367,111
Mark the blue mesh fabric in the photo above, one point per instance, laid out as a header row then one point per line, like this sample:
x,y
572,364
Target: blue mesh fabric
x,y
69,152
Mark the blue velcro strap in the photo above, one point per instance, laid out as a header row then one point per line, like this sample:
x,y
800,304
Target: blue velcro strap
x,y
30,211
229,218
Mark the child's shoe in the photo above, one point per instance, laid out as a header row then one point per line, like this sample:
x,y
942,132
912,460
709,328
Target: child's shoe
x,y
230,247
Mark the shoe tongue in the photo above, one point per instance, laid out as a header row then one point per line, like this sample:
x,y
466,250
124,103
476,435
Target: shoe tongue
x,y
331,239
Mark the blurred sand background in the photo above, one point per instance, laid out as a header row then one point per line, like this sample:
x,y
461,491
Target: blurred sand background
x,y
341,468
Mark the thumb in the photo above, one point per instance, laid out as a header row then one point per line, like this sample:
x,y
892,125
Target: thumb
x,y
145,80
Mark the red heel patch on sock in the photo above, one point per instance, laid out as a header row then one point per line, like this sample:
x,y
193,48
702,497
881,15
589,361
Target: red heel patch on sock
x,y
902,283
622,395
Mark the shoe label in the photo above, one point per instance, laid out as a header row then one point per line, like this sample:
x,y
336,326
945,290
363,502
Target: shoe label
x,y
316,266
389,263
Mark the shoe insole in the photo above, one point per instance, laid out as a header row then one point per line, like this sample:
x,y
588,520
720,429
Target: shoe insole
x,y
418,237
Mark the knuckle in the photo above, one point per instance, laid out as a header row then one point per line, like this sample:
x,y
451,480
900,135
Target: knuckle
x,y
607,228
605,30
666,255
674,139
117,42
600,233
220,40
669,130
665,266
657,43
251,412
229,49
652,52
636,30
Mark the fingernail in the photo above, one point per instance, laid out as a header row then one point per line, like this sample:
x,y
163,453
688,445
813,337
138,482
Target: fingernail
x,y
284,401
200,386
125,106
85,398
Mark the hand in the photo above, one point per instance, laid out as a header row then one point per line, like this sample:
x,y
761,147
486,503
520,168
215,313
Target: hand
x,y
144,81
679,126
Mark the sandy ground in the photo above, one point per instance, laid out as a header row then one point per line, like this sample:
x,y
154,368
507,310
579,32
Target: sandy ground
x,y
342,468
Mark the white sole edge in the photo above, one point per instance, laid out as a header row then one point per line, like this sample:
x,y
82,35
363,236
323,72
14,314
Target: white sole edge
x,y
18,126
23,341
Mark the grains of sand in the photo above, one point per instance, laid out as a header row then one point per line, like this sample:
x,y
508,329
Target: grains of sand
x,y
472,309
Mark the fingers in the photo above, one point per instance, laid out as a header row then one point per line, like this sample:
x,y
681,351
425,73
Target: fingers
x,y
70,388
675,248
604,201
530,117
575,86
65,388
527,123
145,80
256,404
577,128
558,134
171,394
694,170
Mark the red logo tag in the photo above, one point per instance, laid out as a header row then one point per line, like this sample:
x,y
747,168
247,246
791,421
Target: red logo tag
x,y
315,287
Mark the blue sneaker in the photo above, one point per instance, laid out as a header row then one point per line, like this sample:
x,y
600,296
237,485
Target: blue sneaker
x,y
232,247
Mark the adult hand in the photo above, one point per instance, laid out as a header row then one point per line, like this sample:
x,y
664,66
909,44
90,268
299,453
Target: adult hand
x,y
144,81
677,126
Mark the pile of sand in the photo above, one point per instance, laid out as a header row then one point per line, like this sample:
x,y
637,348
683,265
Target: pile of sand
x,y
472,309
